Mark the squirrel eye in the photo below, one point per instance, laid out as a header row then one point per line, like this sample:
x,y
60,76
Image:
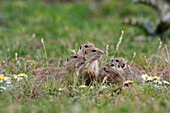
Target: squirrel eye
x,y
118,66
86,46
123,66
80,47
67,59
117,60
75,57
93,50
112,65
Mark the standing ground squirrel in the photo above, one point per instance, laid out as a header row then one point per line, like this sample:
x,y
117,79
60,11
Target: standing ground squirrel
x,y
116,75
87,72
81,51
72,64
83,47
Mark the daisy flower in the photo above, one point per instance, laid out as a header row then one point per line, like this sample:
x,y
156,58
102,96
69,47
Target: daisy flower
x,y
92,87
156,78
147,78
103,87
4,79
158,82
127,82
2,88
18,77
62,89
165,82
1,75
82,86
23,75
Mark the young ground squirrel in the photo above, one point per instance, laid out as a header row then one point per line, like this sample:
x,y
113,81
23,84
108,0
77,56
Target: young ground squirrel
x,y
73,63
121,61
127,68
87,72
113,73
116,75
81,51
83,47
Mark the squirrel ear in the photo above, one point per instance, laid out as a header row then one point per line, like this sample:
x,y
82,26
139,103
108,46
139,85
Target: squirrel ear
x,y
67,59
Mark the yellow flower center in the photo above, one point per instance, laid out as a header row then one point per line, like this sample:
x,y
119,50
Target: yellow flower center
x,y
18,76
146,77
156,76
127,81
2,78
23,73
82,85
158,81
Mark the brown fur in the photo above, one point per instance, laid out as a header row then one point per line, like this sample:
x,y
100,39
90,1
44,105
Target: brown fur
x,y
87,72
81,51
121,61
116,75
57,73
85,46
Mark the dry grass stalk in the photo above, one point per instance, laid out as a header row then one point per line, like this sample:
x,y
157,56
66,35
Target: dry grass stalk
x,y
134,55
42,41
167,52
156,64
105,78
106,56
118,44
74,51
16,56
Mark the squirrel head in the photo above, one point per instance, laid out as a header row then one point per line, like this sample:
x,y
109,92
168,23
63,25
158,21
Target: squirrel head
x,y
120,61
74,61
112,68
92,54
85,46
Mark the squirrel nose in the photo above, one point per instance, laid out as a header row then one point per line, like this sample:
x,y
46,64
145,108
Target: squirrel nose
x,y
104,68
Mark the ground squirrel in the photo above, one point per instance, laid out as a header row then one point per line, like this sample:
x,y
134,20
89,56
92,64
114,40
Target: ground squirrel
x,y
121,61
127,68
116,75
81,50
113,73
72,64
87,72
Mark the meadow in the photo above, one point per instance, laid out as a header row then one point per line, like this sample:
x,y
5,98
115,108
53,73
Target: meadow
x,y
64,26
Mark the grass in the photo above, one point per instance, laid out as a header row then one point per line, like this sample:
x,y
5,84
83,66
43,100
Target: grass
x,y
65,26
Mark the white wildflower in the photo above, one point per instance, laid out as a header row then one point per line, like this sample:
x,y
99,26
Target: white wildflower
x,y
92,87
103,87
158,82
23,75
147,78
165,82
156,78
82,86
18,77
2,88
127,82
